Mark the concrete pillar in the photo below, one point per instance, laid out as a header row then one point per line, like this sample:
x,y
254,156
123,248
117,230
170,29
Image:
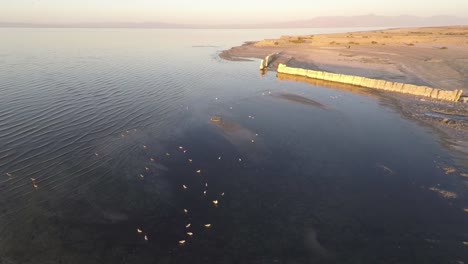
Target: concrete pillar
x,y
459,95
302,72
372,83
381,84
398,87
434,93
389,86
428,91
442,95
357,80
281,68
365,82
319,75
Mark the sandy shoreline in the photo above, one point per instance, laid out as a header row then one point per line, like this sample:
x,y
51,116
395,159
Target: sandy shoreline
x,y
435,57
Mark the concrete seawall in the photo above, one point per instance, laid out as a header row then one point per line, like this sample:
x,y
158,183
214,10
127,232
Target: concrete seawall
x,y
453,96
265,63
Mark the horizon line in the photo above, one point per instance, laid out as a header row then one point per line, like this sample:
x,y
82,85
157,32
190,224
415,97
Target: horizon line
x,y
313,22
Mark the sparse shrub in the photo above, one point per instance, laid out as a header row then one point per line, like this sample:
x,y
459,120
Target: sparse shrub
x,y
353,43
443,48
297,41
365,36
374,42
276,43
410,44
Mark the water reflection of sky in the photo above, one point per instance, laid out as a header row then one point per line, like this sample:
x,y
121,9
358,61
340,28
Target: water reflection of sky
x,y
97,119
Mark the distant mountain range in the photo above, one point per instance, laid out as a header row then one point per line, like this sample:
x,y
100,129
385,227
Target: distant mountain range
x,y
318,22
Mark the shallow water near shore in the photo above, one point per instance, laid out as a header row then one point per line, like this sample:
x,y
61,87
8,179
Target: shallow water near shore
x,y
108,150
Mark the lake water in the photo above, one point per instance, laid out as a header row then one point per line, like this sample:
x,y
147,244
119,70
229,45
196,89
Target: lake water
x,y
102,132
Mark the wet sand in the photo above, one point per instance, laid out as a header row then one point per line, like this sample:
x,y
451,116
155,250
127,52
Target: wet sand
x,y
435,57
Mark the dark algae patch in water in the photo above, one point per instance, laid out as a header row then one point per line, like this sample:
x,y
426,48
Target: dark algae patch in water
x,y
300,99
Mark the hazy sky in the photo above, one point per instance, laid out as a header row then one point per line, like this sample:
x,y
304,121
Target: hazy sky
x,y
214,11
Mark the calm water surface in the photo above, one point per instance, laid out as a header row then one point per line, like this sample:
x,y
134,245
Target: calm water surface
x,y
102,133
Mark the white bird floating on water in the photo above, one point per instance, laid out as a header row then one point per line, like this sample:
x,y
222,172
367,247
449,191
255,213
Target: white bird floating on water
x,y
181,242
222,194
9,174
240,159
96,154
184,186
180,147
151,159
146,237
147,169
215,202
145,147
190,160
208,225
168,154
198,171
253,141
139,231
204,192
142,176
188,225
206,184
219,157
190,233
185,211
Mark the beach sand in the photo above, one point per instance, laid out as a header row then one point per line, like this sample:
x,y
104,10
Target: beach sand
x,y
433,56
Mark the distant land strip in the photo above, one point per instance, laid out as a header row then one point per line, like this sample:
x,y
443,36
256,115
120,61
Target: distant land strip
x,y
362,21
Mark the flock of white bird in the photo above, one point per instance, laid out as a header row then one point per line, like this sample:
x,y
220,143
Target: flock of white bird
x,y
184,187
188,226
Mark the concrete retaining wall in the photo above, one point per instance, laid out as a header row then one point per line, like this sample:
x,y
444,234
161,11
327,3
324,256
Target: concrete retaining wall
x,y
267,61
453,96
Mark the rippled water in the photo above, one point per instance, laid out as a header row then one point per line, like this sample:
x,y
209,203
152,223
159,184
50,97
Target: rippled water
x,y
98,127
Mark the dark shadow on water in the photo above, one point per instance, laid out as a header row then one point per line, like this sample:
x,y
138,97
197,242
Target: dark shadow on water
x,y
301,100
